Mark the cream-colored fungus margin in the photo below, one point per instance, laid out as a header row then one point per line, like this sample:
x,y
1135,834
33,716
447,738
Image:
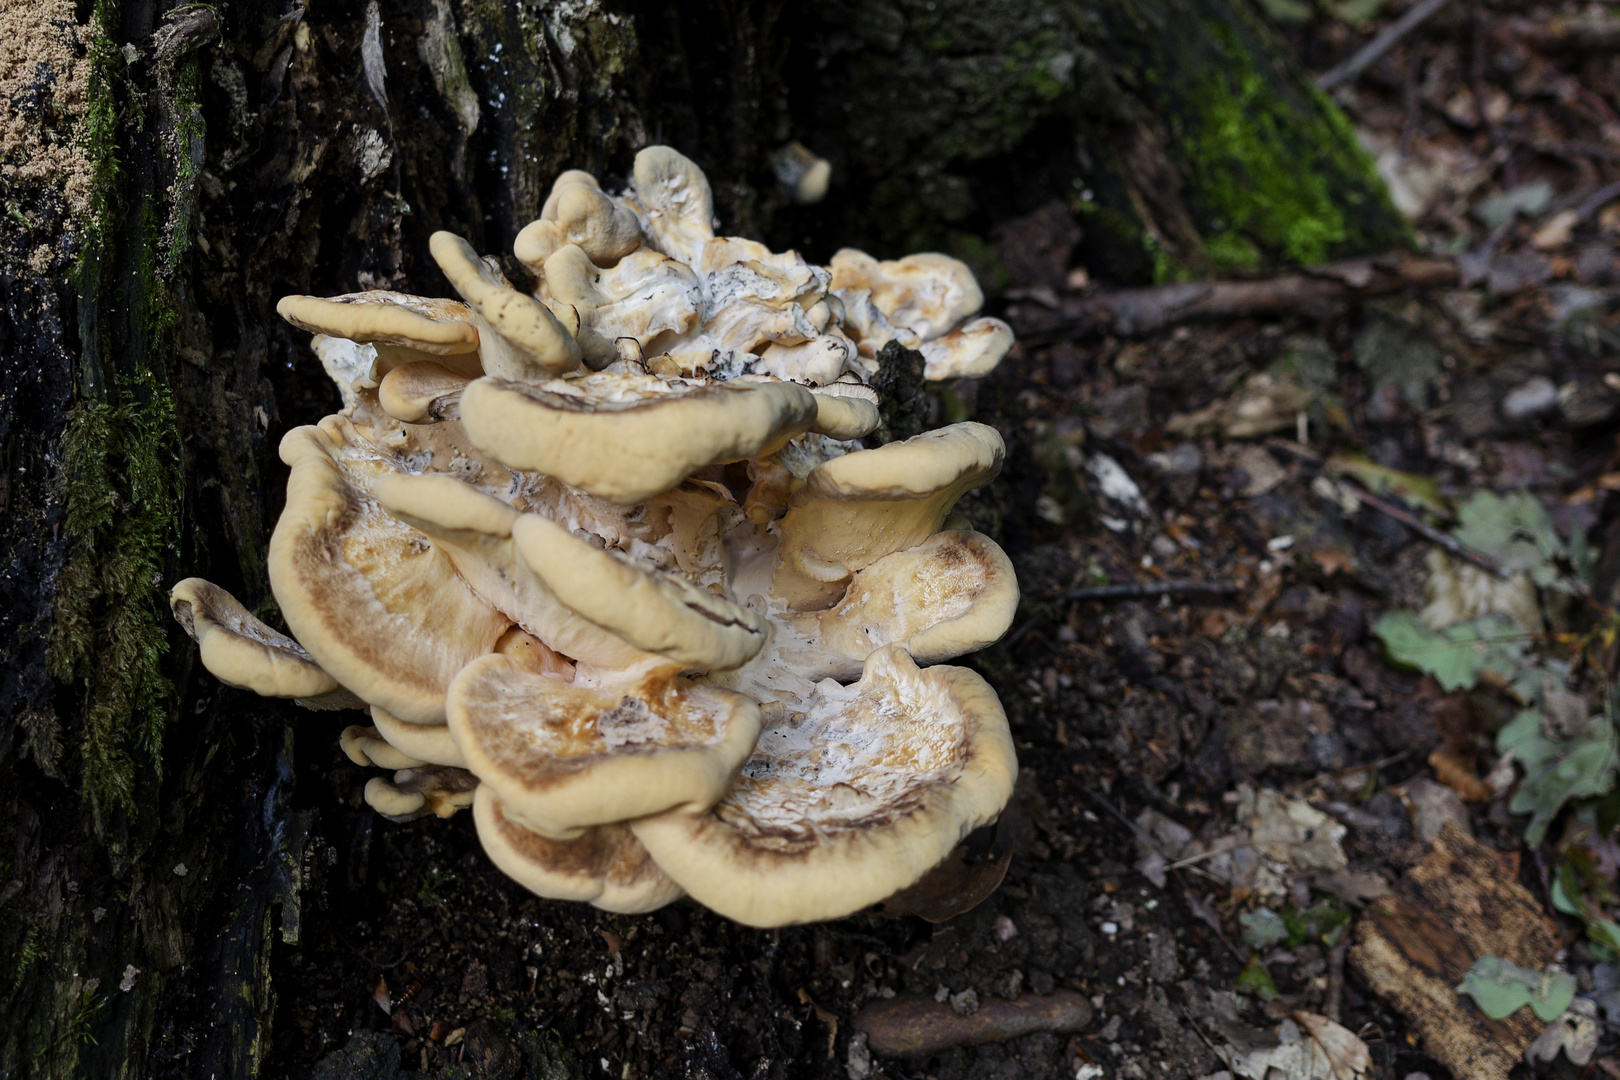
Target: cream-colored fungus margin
x,y
576,548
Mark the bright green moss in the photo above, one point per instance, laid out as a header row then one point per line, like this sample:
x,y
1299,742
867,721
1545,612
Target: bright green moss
x,y
1264,171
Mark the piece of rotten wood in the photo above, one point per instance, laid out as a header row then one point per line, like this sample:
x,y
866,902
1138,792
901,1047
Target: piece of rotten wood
x,y
1589,31
1313,290
912,1026
1459,902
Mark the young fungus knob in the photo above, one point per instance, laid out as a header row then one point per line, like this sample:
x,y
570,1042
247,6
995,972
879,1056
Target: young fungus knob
x,y
677,201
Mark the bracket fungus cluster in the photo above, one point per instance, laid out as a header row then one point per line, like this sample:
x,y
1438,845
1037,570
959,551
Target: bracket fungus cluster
x,y
610,563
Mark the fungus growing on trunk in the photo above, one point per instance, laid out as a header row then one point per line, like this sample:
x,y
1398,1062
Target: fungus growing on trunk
x,y
596,558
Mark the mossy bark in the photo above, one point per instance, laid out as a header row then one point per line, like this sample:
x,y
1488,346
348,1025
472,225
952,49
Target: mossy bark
x,y
152,852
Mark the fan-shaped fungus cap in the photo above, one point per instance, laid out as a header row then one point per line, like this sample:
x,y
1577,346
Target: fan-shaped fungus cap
x,y
677,200
857,800
627,438
972,349
927,293
430,743
855,509
239,650
370,599
563,757
551,581
403,328
605,866
952,594
417,792
846,411
661,613
519,337
366,746
645,295
421,393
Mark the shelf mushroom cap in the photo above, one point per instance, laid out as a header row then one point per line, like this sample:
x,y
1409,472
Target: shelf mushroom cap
x,y
519,337
627,438
240,651
566,756
952,594
971,350
371,599
605,866
366,746
866,793
660,612
404,327
430,743
927,293
601,607
421,393
419,791
857,508
677,201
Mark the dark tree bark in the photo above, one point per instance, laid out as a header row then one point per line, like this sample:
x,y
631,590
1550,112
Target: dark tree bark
x,y
214,157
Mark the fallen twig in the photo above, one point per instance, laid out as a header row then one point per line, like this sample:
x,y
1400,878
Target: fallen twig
x,y
1596,201
1314,290
1586,32
1379,45
1332,1004
913,1026
1424,529
1139,590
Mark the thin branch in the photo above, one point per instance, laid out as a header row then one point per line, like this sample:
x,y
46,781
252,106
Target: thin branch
x,y
1143,589
1314,290
1378,46
1427,531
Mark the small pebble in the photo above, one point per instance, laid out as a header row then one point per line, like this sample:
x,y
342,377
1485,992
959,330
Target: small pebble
x,y
1530,399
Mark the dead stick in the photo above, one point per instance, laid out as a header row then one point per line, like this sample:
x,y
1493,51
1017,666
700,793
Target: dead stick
x,y
1378,46
1427,531
1332,1005
1319,289
1142,590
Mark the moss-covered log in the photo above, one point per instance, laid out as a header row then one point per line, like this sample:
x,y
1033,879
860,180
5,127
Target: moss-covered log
x,y
168,170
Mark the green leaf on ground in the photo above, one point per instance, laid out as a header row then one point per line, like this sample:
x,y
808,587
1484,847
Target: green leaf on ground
x,y
1257,980
1501,989
1515,531
1456,655
1321,921
1557,770
1263,928
1412,489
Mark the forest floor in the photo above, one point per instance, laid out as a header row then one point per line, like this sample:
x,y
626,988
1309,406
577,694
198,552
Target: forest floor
x,y
1270,819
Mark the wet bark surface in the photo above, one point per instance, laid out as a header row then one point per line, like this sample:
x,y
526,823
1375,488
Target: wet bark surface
x,y
189,884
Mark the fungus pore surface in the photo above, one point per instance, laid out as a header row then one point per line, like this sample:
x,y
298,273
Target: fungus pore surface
x,y
610,562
